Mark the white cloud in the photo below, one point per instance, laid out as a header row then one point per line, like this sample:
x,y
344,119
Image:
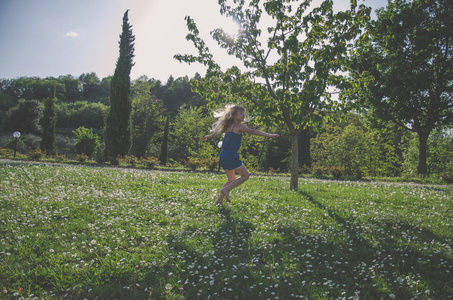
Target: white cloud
x,y
72,34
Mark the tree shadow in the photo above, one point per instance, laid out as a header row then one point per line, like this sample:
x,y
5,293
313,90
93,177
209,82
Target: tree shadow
x,y
400,264
241,259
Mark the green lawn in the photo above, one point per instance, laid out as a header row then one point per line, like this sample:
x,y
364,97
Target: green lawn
x,y
83,232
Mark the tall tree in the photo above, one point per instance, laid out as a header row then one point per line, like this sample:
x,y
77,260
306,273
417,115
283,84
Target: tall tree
x,y
147,116
118,125
91,86
25,117
405,61
73,88
49,123
289,70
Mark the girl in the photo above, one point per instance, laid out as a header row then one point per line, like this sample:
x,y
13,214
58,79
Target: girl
x,y
230,123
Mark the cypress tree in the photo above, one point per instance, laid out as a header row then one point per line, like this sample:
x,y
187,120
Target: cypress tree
x,y
49,123
118,129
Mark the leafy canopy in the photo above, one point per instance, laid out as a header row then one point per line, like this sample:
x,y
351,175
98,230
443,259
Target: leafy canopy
x,y
287,66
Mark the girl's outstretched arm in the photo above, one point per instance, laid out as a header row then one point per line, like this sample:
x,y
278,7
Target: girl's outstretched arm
x,y
208,136
243,128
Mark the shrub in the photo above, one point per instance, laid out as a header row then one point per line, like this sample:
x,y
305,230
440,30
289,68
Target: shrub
x,y
60,158
305,169
64,144
115,161
336,172
131,160
5,152
81,157
193,163
447,177
150,162
273,171
318,170
87,141
26,141
173,163
209,163
35,154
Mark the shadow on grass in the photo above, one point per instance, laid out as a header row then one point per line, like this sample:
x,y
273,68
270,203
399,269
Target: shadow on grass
x,y
233,259
236,258
395,260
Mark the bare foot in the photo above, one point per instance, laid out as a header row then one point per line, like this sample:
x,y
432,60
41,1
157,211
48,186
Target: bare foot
x,y
226,195
220,199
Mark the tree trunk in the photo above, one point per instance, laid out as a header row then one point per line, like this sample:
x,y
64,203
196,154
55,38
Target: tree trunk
x,y
304,148
294,161
423,141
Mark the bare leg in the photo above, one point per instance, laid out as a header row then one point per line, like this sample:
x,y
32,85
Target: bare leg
x,y
231,176
244,176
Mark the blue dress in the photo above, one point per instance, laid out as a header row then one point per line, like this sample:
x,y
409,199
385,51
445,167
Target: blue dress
x,y
229,157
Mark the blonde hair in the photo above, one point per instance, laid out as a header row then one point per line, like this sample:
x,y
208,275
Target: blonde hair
x,y
226,118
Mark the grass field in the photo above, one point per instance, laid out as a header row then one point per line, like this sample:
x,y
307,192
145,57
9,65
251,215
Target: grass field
x,y
82,232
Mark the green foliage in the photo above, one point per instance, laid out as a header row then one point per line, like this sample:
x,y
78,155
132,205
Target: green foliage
x,y
31,88
206,157
287,75
90,83
81,113
164,148
92,115
150,162
24,117
178,93
49,121
35,154
147,117
118,129
72,87
82,157
69,89
189,127
439,156
87,142
354,151
402,68
6,102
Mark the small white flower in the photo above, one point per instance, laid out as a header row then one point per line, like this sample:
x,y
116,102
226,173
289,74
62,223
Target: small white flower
x,y
93,242
168,286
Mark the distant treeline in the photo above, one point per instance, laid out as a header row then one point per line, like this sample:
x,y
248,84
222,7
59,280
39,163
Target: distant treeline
x,y
169,121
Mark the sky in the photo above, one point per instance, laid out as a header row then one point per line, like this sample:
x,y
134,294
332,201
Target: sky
x,y
46,38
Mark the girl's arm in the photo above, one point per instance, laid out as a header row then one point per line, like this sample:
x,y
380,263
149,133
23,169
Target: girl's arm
x,y
208,136
243,128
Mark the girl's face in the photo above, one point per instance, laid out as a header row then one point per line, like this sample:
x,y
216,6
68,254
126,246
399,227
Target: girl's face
x,y
240,115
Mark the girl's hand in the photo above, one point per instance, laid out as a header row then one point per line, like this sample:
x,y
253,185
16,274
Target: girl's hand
x,y
274,136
